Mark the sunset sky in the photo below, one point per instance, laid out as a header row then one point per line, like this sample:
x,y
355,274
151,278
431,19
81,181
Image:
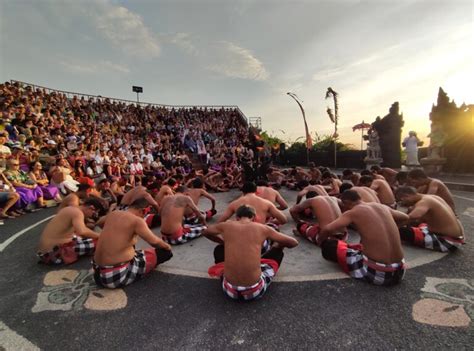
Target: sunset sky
x,y
250,53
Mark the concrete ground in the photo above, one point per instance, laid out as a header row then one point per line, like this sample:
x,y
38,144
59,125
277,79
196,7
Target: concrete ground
x,y
310,305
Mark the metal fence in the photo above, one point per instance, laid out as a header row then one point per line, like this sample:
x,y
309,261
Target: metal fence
x,y
70,95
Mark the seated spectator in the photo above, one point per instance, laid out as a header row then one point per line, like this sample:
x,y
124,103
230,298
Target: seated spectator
x,y
8,198
95,172
62,178
37,175
29,192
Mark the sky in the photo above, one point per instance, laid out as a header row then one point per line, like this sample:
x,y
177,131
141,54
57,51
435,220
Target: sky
x,y
250,53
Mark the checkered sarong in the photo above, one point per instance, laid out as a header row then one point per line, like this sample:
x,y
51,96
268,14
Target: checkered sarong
x,y
255,291
119,275
186,233
69,252
358,266
432,241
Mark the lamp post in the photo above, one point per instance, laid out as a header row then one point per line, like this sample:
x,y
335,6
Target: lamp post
x,y
308,137
137,90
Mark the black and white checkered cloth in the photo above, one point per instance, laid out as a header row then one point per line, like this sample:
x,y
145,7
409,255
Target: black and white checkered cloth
x,y
116,276
361,267
433,241
190,232
255,291
81,247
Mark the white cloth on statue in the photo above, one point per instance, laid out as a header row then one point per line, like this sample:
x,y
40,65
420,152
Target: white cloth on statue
x,y
411,148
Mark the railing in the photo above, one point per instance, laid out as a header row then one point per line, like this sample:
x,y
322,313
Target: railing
x,y
70,95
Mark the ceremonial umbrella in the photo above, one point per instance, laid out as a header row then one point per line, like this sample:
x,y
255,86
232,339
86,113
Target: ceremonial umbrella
x,y
362,126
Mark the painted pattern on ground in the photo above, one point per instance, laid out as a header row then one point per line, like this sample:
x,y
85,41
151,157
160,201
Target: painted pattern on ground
x,y
446,302
68,289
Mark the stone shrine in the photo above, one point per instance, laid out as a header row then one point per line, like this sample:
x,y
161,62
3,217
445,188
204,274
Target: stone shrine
x,y
389,129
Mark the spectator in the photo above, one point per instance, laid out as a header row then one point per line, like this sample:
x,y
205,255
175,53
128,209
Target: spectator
x,y
62,178
39,177
29,192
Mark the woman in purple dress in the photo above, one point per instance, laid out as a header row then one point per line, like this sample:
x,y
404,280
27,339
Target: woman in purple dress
x,y
37,175
29,191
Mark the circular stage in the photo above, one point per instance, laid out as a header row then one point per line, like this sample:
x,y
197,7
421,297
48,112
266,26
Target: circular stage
x,y
303,263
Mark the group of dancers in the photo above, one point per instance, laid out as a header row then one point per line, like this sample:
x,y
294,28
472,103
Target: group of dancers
x,y
250,246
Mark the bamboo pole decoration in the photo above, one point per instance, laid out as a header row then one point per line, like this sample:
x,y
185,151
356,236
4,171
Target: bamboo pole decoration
x,y
334,118
308,137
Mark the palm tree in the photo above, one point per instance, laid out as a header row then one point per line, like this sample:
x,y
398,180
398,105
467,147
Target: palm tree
x,y
334,117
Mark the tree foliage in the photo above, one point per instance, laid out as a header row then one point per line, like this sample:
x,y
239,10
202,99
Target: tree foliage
x,y
270,139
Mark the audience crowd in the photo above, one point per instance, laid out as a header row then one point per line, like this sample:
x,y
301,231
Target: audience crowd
x,y
51,144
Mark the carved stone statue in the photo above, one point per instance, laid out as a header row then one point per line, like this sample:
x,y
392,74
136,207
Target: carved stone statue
x,y
373,149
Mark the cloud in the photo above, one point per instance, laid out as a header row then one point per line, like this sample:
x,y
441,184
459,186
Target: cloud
x,y
185,42
351,67
124,29
117,25
234,61
99,67
222,57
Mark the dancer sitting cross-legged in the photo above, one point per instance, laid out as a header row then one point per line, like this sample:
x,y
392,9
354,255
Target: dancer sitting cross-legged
x,y
378,259
172,215
433,224
268,193
116,262
324,208
246,274
66,236
195,193
266,212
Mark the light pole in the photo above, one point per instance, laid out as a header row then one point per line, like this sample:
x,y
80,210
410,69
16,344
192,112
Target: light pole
x,y
308,137
137,90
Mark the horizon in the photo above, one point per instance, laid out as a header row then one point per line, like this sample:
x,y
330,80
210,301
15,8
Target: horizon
x,y
372,53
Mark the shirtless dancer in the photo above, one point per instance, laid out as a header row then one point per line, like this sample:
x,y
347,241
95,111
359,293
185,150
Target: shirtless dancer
x,y
266,212
378,259
387,173
116,262
136,193
382,188
195,193
349,175
436,226
333,183
264,208
295,178
166,190
139,192
66,236
75,199
366,194
319,189
220,181
430,186
268,193
172,212
314,172
275,178
245,274
324,208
